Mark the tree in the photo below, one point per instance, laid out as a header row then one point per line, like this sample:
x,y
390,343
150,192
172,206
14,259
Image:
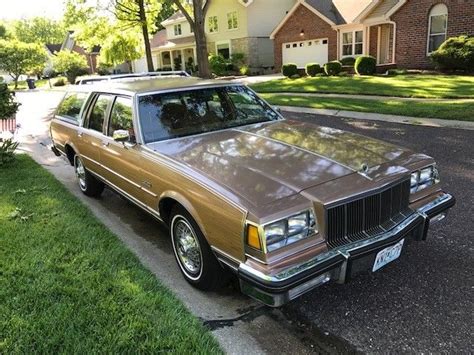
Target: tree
x,y
3,31
167,9
138,13
72,64
17,58
196,18
39,30
120,48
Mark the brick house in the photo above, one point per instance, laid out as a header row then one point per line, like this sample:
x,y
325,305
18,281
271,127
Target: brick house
x,y
69,43
399,33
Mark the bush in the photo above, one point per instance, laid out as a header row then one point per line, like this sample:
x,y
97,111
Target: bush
x,y
365,65
333,68
8,106
312,69
244,70
393,72
72,64
348,61
295,76
7,151
218,64
59,82
456,53
289,69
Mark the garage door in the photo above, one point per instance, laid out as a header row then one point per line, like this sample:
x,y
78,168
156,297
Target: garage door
x,y
304,52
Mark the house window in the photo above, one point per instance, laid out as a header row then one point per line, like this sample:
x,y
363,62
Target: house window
x,y
177,30
352,43
212,23
223,49
438,24
232,22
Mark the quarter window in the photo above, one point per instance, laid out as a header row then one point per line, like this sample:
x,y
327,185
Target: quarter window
x,y
438,24
121,116
97,115
71,106
177,30
232,22
213,25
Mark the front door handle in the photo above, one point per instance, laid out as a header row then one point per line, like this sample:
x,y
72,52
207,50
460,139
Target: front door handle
x,y
79,134
105,144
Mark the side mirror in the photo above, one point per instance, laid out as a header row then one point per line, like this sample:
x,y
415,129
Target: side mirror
x,y
121,135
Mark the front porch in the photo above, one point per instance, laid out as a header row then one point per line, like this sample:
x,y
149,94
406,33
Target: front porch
x,y
176,58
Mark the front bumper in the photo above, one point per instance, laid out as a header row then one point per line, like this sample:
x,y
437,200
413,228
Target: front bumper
x,y
338,264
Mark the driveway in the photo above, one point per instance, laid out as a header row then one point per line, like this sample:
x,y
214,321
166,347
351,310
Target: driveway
x,y
421,303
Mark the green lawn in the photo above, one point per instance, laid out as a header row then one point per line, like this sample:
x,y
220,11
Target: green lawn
x,y
449,110
424,86
68,285
39,83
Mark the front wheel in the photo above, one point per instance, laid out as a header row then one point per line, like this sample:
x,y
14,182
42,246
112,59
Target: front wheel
x,y
88,183
198,264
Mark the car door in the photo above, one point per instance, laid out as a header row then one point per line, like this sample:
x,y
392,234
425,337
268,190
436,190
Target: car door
x,y
121,160
92,133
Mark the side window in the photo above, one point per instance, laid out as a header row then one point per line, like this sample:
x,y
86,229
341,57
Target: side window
x,y
97,115
121,116
71,105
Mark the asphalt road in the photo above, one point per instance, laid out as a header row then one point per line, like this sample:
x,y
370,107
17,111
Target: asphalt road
x,y
423,302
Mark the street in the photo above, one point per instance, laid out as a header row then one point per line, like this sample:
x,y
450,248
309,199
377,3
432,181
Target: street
x,y
422,302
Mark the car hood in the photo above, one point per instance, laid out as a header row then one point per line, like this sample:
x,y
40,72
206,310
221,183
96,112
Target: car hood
x,y
269,161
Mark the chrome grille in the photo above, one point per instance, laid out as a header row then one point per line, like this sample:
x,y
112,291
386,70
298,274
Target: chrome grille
x,y
367,216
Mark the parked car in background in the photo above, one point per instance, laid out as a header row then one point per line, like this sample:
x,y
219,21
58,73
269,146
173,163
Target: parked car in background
x,y
284,205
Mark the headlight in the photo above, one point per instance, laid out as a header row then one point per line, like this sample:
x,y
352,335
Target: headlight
x,y
423,178
289,230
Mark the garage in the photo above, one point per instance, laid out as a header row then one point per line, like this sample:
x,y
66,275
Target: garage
x,y
304,52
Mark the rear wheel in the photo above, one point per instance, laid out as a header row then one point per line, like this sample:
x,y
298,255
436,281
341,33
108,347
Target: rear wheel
x,y
88,183
198,264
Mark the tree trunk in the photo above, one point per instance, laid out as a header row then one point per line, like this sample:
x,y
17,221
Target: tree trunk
x,y
146,39
201,41
130,68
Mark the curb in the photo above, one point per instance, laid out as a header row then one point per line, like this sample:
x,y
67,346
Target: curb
x,y
418,121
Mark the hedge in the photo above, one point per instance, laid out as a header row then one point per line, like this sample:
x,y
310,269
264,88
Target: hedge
x,y
333,68
289,69
312,69
365,65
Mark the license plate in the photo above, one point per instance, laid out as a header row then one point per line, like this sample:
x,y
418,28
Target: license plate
x,y
388,255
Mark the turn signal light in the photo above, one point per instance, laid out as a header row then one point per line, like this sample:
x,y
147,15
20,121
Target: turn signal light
x,y
253,239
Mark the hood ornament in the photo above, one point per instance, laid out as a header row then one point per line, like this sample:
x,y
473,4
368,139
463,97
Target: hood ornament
x,y
364,168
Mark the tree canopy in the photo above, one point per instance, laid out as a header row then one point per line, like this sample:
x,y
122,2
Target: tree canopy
x,y
120,48
72,64
38,30
17,58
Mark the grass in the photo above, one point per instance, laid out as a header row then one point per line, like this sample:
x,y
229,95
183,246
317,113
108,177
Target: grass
x,y
449,110
68,285
39,83
422,86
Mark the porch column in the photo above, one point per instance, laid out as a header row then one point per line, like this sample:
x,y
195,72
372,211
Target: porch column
x,y
172,60
183,64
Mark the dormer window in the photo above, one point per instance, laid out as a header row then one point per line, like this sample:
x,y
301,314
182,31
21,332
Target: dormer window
x,y
177,30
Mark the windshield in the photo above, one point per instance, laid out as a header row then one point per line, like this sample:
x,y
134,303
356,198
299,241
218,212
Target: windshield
x,y
183,113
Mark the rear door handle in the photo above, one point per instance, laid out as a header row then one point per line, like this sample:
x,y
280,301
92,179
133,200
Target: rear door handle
x,y
79,134
105,144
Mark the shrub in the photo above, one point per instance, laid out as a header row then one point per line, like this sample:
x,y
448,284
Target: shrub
x,y
365,65
295,76
393,72
7,151
348,61
238,60
289,69
312,69
59,82
456,53
72,64
8,106
333,68
217,64
244,70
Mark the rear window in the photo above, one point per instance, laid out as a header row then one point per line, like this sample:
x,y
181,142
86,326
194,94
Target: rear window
x,y
71,105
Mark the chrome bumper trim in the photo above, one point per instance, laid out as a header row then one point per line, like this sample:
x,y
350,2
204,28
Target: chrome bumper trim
x,y
341,257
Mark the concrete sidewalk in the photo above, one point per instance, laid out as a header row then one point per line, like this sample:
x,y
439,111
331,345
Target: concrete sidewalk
x,y
431,122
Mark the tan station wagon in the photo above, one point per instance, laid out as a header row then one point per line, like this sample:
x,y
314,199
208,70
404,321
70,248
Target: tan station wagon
x,y
285,205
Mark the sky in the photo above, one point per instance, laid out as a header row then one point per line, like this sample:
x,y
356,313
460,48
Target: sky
x,y
17,9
